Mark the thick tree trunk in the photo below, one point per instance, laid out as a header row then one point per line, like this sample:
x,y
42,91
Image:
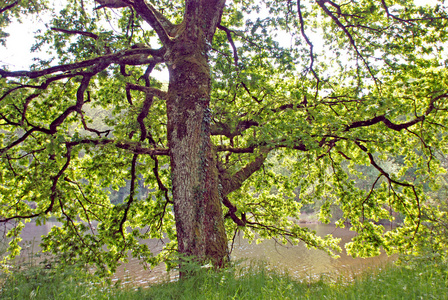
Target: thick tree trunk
x,y
197,200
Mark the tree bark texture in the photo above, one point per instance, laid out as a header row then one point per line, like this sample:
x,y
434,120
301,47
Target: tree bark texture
x,y
197,199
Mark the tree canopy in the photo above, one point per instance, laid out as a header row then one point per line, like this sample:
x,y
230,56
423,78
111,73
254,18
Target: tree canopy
x,y
270,106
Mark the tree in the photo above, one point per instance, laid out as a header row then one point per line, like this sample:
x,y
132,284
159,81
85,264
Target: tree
x,y
316,87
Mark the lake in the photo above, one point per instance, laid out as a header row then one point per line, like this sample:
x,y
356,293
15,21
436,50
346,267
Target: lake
x,y
299,261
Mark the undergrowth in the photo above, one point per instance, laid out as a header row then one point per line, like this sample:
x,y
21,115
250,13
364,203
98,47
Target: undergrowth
x,y
421,279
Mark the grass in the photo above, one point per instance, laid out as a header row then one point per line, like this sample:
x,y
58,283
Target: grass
x,y
421,280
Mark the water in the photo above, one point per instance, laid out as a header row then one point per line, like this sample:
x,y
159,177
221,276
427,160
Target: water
x,y
299,261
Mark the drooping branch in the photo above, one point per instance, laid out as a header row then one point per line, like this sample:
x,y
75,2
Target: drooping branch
x,y
131,194
232,212
44,85
321,3
250,94
232,43
391,180
147,103
302,31
148,71
61,118
53,195
87,128
162,187
409,21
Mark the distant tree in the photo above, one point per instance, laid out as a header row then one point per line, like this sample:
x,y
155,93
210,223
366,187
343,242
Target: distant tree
x,y
308,85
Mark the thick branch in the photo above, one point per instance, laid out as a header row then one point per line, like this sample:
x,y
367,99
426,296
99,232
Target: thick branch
x,y
155,19
123,57
233,182
133,147
387,122
221,148
397,127
149,90
231,213
7,7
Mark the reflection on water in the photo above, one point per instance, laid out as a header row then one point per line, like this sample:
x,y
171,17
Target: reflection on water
x,y
297,260
302,262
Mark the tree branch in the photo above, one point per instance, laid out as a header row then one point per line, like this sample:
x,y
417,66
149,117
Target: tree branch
x,y
149,90
302,30
2,10
84,33
123,57
232,44
131,194
54,191
233,182
321,3
397,127
156,20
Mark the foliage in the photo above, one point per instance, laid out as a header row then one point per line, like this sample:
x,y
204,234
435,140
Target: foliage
x,y
16,9
303,96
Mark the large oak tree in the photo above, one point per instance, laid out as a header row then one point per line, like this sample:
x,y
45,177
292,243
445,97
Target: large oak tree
x,y
270,105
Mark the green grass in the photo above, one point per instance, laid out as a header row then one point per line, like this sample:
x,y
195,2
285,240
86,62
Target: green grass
x,y
422,280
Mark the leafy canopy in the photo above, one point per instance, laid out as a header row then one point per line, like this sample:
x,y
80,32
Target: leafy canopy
x,y
342,104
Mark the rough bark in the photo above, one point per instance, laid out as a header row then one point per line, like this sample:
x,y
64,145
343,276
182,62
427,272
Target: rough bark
x,y
197,201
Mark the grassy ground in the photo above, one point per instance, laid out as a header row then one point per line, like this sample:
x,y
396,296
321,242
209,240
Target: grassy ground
x,y
422,280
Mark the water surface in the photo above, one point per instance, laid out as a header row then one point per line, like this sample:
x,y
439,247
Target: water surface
x,y
299,261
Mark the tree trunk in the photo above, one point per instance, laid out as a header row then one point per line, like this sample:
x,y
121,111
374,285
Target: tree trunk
x,y
197,200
